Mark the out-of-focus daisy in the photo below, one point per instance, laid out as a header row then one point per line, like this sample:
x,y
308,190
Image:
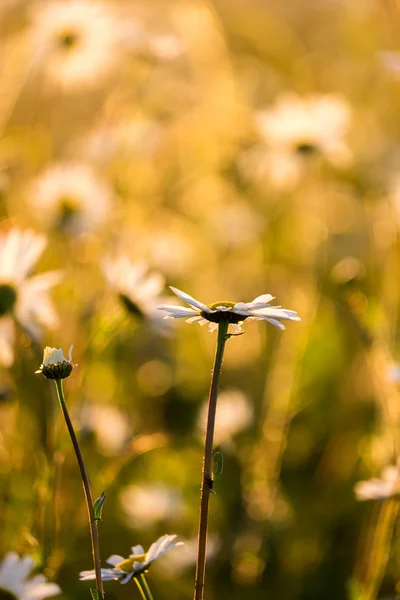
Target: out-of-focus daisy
x,y
70,196
14,582
234,413
75,42
137,288
151,503
387,486
138,135
394,372
298,127
22,298
109,424
138,562
176,563
233,313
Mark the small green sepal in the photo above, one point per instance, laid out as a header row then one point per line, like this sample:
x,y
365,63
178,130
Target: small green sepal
x,y
94,592
98,506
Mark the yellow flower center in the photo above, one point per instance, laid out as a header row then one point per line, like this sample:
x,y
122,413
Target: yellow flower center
x,y
8,297
127,564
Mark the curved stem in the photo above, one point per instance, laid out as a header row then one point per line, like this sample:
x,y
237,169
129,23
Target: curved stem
x,y
136,580
146,587
206,484
86,486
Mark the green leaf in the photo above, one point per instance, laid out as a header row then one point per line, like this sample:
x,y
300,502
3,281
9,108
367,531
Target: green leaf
x,y
94,592
219,465
98,506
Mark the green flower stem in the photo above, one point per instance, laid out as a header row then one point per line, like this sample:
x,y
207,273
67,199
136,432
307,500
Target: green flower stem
x,y
136,580
206,484
146,588
86,486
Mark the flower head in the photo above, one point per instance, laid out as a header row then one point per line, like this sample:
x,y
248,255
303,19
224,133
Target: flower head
x,y
75,42
138,288
387,486
138,562
55,365
294,129
23,299
70,196
231,312
14,584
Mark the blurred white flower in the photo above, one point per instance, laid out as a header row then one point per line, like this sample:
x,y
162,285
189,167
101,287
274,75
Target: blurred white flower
x,y
165,47
295,128
175,564
138,562
138,135
151,503
75,42
55,365
394,372
23,298
137,288
234,413
388,486
14,582
109,424
234,313
71,196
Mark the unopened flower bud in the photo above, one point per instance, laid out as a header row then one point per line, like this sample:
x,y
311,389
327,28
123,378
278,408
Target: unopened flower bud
x,y
55,365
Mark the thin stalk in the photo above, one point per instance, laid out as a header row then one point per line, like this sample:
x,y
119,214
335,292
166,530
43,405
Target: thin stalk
x,y
206,483
140,588
86,487
146,587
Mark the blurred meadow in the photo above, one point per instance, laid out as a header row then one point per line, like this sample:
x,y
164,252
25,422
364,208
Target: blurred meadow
x,y
230,149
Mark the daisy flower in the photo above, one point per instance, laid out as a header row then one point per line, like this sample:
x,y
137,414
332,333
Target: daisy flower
x,y
70,196
55,365
14,584
387,486
317,123
233,313
137,288
23,299
75,42
138,562
293,129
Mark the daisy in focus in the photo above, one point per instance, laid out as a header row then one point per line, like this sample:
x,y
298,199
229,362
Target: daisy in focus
x,y
387,486
55,365
76,43
14,582
231,312
137,563
70,196
23,299
294,129
137,288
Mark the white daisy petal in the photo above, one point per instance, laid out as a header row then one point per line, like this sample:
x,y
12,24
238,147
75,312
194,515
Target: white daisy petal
x,y
212,327
14,573
275,322
114,560
178,312
136,550
189,300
